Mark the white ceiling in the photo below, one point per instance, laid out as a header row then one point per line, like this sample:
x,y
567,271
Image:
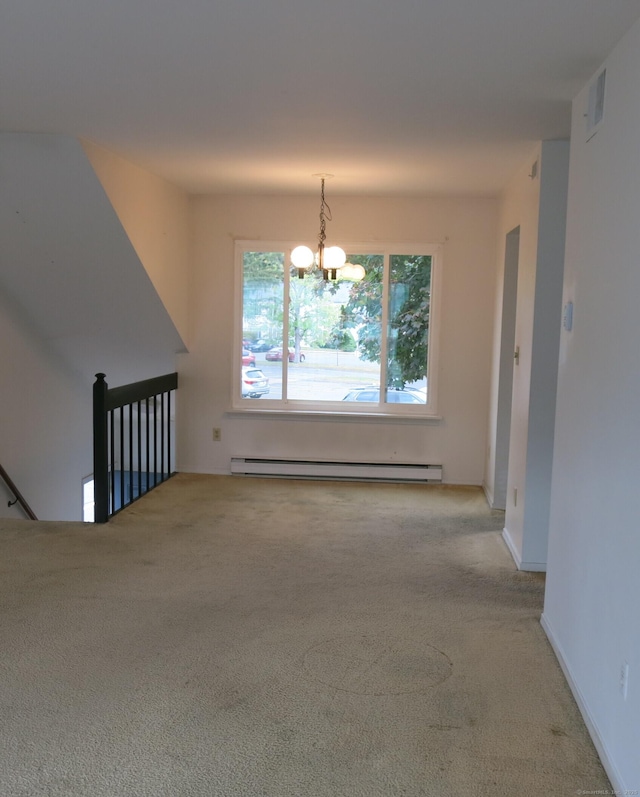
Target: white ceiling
x,y
393,97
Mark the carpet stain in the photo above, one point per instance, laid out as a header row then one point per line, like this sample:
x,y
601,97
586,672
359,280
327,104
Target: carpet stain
x,y
372,665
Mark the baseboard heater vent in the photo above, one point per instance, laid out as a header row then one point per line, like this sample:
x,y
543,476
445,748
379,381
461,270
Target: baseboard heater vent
x,y
343,471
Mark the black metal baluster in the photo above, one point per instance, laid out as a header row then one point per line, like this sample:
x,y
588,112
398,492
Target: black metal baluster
x,y
121,457
147,442
130,462
112,459
139,431
100,453
169,394
155,440
162,437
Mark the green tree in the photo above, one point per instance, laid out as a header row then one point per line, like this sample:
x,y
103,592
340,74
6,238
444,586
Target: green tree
x,y
263,274
409,300
408,323
263,267
363,311
341,337
312,314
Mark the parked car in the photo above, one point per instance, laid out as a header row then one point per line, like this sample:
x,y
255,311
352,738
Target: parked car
x,y
259,345
275,355
248,358
371,393
254,383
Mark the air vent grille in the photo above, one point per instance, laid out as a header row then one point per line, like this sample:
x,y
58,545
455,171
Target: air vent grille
x,y
595,111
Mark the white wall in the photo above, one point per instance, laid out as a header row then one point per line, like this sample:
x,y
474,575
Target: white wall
x,y
45,430
592,609
69,264
502,384
466,227
155,215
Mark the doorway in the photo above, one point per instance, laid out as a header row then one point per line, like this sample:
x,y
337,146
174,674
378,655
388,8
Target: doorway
x,y
505,379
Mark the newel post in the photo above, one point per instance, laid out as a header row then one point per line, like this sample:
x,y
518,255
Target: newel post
x,y
100,450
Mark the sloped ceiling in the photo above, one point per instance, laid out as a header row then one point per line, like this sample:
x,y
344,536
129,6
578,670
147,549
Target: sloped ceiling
x,y
405,97
68,268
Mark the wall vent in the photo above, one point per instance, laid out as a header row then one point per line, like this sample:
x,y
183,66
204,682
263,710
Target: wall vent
x,y
340,471
595,109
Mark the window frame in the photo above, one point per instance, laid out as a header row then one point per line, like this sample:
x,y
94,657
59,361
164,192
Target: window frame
x,y
281,406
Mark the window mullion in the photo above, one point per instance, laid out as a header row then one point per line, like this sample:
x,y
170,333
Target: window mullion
x,y
384,329
285,324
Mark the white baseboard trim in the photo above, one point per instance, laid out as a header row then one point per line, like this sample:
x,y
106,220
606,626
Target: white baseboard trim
x,y
488,495
618,787
532,567
512,548
491,499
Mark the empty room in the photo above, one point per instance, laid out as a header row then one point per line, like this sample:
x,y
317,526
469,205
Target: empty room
x,y
318,446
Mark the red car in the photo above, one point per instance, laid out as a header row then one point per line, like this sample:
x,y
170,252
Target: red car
x,y
248,358
275,355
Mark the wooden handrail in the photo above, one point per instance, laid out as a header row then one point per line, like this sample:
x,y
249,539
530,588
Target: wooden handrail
x,y
19,497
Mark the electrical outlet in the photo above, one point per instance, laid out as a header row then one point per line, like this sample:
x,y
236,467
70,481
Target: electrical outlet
x,y
624,679
217,434
515,496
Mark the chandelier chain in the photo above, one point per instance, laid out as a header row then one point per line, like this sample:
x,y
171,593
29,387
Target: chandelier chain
x,y
325,214
323,223
302,257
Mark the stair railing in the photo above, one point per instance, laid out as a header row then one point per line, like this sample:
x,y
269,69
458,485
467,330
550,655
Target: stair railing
x,y
19,498
132,441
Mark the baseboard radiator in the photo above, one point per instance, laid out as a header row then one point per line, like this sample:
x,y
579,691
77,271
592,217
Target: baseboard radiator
x,y
341,471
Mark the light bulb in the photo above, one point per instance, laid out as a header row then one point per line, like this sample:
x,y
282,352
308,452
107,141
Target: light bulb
x,y
346,272
352,272
302,257
334,257
357,272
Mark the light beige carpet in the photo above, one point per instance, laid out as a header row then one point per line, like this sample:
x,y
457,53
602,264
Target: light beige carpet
x,y
229,636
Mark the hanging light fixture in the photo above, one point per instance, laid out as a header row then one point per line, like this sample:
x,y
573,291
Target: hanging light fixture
x,y
329,259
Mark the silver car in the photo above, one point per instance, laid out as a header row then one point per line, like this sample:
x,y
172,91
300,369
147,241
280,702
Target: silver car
x,y
254,382
408,395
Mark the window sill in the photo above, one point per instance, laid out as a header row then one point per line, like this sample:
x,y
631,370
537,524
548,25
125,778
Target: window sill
x,y
331,417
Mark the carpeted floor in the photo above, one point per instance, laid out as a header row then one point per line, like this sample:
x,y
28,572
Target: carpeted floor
x,y
229,636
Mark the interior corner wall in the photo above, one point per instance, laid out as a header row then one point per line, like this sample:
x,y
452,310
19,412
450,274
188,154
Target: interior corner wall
x,y
591,611
155,216
467,229
519,208
46,455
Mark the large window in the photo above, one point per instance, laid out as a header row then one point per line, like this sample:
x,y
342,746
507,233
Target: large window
x,y
354,346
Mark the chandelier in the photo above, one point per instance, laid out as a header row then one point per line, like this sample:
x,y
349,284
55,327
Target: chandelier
x,y
329,259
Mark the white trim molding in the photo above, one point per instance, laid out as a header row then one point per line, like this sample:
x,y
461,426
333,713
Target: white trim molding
x,y
618,787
